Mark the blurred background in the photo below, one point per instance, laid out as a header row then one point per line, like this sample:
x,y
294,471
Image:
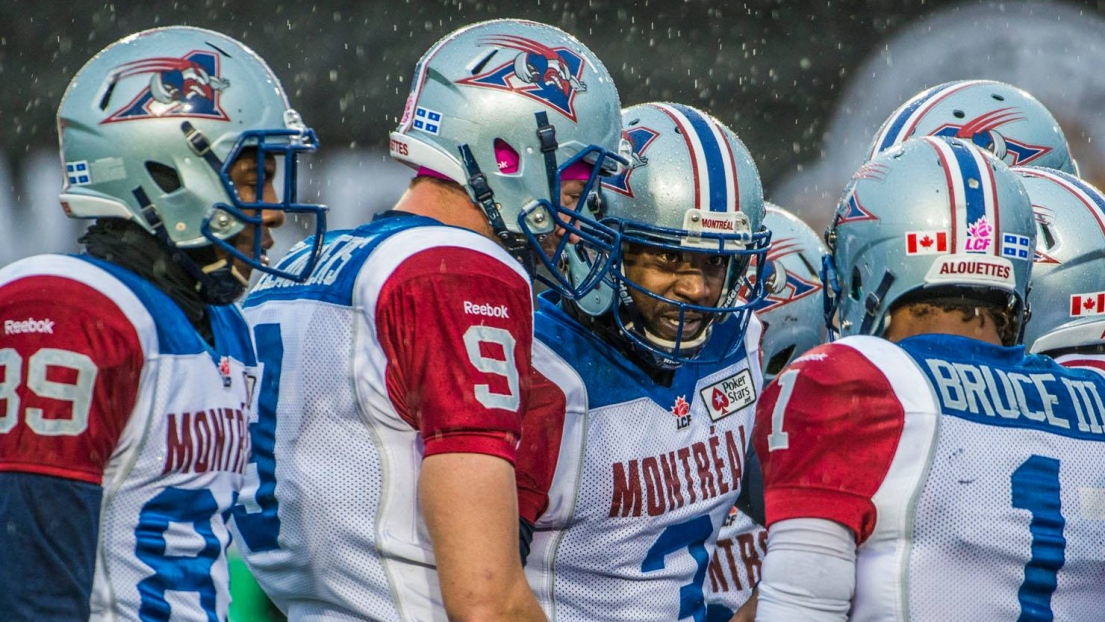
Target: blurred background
x,y
804,84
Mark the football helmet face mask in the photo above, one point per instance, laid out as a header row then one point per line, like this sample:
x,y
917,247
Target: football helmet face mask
x,y
692,187
505,108
150,128
791,309
932,217
1000,118
1068,282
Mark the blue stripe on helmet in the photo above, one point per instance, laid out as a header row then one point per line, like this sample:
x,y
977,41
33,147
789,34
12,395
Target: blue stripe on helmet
x,y
715,163
974,198
1093,194
903,117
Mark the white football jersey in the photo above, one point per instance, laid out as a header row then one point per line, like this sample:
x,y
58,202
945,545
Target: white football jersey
x,y
970,474
735,566
628,483
409,339
108,383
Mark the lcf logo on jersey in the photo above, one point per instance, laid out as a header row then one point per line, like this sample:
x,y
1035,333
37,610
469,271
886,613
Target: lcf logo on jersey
x,y
682,411
639,139
983,132
549,75
178,87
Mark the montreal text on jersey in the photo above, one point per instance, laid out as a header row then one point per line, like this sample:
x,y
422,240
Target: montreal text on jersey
x,y
216,439
714,472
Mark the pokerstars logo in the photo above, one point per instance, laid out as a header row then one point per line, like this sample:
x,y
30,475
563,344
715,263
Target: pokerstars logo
x,y
29,325
682,412
730,395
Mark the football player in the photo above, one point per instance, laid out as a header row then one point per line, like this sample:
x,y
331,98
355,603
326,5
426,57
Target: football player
x,y
396,376
924,467
1068,284
128,372
652,380
1002,119
793,319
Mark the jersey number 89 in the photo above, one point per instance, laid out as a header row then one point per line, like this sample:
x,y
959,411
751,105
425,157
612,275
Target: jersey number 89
x,y
79,392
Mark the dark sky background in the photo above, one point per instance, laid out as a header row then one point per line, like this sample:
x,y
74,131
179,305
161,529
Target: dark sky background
x,y
772,70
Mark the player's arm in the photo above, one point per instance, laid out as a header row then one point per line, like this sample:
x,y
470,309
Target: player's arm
x,y
826,431
469,505
69,366
458,328
809,573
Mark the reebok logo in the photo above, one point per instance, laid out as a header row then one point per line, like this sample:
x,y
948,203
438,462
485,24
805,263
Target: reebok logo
x,y
29,325
472,308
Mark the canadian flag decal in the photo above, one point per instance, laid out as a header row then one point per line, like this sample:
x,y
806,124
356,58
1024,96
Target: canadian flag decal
x,y
926,242
1087,304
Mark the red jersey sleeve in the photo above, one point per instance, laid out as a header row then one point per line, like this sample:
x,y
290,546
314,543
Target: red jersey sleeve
x,y
70,361
457,328
539,449
826,432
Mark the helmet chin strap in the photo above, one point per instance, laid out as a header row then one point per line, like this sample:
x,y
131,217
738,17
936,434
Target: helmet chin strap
x,y
873,302
484,197
218,283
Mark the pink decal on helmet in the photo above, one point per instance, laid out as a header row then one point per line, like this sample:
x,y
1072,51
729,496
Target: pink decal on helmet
x,y
429,172
580,171
506,157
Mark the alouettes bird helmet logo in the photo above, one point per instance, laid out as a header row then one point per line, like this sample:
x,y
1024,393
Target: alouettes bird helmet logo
x,y
983,131
639,139
182,87
553,76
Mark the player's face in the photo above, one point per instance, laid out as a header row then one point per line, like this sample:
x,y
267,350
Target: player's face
x,y
684,276
570,193
244,175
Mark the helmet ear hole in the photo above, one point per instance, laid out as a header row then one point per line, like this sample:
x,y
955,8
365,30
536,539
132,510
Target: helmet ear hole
x,y
855,291
506,157
779,360
164,176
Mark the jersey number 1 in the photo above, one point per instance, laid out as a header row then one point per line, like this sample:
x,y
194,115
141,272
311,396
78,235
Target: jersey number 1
x,y
1035,486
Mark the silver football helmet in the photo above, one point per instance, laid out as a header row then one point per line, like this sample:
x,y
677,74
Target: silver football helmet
x,y
691,186
1000,118
791,310
932,217
151,125
1068,278
506,108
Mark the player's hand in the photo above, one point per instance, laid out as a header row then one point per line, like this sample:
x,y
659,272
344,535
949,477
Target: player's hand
x,y
747,612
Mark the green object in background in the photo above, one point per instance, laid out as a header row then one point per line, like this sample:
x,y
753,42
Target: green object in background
x,y
248,601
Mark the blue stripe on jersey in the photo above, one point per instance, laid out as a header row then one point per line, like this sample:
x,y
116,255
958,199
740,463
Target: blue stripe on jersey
x,y
903,117
335,274
611,378
715,160
999,386
175,334
975,198
232,334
